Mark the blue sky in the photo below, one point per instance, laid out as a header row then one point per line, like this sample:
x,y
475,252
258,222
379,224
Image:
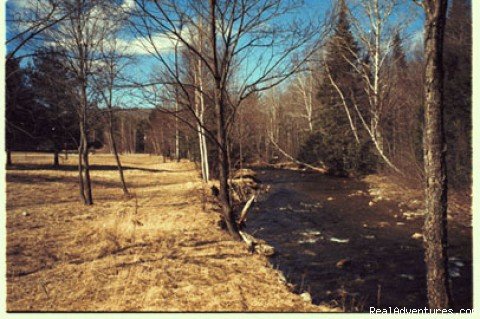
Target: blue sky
x,y
145,64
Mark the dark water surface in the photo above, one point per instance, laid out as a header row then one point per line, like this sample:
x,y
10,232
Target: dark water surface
x,y
314,221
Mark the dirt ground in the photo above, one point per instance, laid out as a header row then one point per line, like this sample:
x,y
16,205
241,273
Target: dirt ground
x,y
160,250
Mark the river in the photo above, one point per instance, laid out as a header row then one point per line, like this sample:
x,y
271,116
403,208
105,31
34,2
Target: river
x,y
345,252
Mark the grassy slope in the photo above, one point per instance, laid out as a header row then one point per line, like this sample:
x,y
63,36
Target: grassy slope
x,y
158,251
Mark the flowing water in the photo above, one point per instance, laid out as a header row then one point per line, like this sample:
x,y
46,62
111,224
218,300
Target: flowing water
x,y
333,244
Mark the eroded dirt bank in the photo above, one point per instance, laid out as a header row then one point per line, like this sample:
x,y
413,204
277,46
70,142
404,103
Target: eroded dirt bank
x,y
348,248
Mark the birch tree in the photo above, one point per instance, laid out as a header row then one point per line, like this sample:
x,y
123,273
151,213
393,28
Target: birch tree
x,y
375,23
304,86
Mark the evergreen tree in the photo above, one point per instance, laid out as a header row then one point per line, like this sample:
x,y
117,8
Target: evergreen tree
x,y
23,116
334,144
399,60
458,92
53,88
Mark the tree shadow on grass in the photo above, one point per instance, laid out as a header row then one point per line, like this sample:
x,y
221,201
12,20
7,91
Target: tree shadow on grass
x,y
69,168
43,179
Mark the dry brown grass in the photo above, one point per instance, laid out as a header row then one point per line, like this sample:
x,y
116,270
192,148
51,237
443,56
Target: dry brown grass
x,y
459,202
157,251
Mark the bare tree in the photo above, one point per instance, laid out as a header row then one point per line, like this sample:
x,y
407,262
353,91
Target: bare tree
x,y
435,227
112,63
200,105
236,31
31,21
304,85
80,37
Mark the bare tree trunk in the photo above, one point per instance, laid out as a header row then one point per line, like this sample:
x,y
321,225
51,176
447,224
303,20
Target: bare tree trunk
x,y
203,139
224,195
205,156
377,27
202,156
435,227
83,150
177,133
219,100
200,110
305,86
344,103
122,136
85,184
80,170
187,141
240,141
115,152
56,163
9,158
223,166
177,136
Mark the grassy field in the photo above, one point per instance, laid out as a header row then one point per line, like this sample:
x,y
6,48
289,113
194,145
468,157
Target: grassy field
x,y
160,250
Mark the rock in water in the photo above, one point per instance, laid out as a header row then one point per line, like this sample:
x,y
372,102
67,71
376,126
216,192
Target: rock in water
x,y
342,263
454,272
340,240
306,297
417,236
407,276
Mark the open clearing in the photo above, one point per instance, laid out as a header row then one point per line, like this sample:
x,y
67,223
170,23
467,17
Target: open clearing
x,y
160,250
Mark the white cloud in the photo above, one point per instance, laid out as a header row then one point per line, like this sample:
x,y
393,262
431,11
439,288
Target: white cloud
x,y
128,5
145,46
416,41
161,42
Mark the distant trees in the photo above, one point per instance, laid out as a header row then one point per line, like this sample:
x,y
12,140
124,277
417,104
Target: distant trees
x,y
402,122
458,93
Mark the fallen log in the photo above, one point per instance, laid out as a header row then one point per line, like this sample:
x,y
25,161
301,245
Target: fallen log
x,y
245,210
290,157
257,245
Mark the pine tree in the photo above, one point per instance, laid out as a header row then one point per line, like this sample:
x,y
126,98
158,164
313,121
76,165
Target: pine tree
x,y
23,115
60,128
335,144
399,60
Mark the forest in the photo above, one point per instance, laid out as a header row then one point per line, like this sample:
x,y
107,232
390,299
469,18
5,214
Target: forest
x,y
344,124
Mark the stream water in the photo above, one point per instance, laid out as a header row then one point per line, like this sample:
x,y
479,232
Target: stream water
x,y
333,244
